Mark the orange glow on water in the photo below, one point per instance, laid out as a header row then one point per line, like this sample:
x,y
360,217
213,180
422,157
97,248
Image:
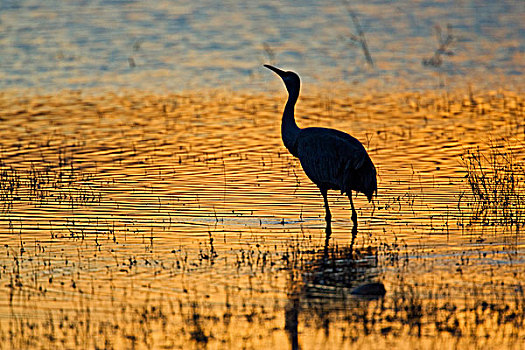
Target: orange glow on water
x,y
180,220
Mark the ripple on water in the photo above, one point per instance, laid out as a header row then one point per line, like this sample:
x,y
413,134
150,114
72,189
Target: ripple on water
x,y
135,211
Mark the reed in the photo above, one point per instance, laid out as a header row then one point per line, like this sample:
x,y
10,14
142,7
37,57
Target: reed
x,y
496,180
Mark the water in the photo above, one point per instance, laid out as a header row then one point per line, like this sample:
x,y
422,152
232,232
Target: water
x,y
172,46
143,207
177,215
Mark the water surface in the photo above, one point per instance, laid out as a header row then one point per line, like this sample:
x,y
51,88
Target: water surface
x,y
170,46
147,200
177,220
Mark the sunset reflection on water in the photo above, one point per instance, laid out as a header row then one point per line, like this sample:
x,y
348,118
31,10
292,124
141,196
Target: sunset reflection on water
x,y
147,200
176,220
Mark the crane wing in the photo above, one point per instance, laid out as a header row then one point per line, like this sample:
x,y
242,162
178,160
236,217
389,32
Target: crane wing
x,y
335,160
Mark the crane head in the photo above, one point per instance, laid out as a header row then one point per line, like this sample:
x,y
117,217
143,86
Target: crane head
x,y
291,80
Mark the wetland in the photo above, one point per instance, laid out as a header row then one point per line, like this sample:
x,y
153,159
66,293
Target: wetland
x,y
169,221
147,200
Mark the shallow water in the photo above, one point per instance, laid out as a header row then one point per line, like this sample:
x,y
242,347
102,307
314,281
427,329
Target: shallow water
x,y
180,220
134,217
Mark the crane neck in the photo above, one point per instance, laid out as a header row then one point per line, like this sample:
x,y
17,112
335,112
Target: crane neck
x,y
289,129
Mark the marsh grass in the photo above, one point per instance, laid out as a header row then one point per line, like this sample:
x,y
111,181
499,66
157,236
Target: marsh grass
x,y
46,180
497,182
10,182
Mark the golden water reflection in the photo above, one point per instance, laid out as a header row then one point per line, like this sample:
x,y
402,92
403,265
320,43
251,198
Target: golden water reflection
x,y
136,220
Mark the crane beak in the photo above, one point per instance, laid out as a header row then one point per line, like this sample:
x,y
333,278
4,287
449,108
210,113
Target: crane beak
x,y
278,71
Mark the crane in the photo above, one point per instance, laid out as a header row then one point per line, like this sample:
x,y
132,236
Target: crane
x,y
332,159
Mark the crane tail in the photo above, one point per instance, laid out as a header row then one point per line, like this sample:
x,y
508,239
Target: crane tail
x,y
363,179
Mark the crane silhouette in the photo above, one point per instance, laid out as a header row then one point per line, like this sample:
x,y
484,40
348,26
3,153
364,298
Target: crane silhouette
x,y
332,159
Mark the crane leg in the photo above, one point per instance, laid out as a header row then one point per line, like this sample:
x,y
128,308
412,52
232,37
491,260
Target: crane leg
x,y
354,220
354,213
328,216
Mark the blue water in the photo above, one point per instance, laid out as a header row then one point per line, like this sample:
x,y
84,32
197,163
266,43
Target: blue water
x,y
178,45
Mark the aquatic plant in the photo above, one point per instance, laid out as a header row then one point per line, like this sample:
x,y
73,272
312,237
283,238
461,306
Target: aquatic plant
x,y
46,180
9,185
360,37
445,41
497,182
